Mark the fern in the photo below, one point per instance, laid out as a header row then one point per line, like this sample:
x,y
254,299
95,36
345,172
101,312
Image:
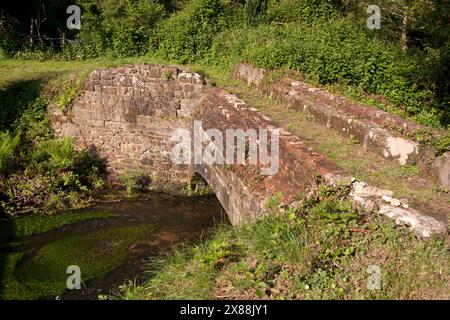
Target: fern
x,y
61,152
8,145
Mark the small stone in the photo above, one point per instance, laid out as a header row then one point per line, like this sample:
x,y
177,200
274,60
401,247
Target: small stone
x,y
295,204
394,202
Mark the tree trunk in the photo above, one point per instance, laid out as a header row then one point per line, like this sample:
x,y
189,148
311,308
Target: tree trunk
x,y
31,32
404,40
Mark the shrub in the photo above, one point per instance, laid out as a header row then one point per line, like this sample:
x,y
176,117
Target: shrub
x,y
331,52
61,180
90,168
442,144
58,153
132,31
118,28
9,41
69,90
188,34
299,10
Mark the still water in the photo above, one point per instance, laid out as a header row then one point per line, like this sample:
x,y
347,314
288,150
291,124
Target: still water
x,y
114,246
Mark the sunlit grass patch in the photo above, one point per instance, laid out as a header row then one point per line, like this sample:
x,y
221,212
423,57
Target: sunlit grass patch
x,y
323,249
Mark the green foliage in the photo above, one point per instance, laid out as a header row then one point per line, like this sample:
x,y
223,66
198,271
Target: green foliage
x,y
57,153
299,10
408,170
442,144
66,98
188,34
334,212
33,124
274,200
121,28
38,54
69,91
131,32
135,181
333,51
8,145
45,173
16,97
9,42
198,187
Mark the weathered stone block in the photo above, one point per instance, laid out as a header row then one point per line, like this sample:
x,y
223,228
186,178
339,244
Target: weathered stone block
x,y
185,77
441,167
187,107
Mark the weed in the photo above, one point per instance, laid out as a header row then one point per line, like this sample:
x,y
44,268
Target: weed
x,y
69,91
274,200
135,181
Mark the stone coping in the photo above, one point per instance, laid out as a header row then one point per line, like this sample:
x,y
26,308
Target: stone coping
x,y
379,131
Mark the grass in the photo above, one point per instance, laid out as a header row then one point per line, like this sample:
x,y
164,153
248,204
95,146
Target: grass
x,y
322,250
19,70
45,274
29,225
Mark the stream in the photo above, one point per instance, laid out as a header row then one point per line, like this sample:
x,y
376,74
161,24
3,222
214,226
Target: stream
x,y
114,243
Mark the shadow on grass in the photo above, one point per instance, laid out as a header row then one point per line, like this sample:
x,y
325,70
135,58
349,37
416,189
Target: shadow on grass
x,y
15,98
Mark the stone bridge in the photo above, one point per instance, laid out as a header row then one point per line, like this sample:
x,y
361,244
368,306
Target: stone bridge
x,y
129,114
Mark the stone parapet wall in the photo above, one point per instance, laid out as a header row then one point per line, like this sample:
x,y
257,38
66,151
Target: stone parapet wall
x,y
244,192
381,132
128,114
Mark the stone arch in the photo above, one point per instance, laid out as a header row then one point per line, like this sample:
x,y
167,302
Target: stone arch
x,y
130,113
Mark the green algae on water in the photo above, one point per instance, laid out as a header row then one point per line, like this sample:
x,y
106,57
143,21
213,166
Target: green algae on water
x,y
29,225
44,275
